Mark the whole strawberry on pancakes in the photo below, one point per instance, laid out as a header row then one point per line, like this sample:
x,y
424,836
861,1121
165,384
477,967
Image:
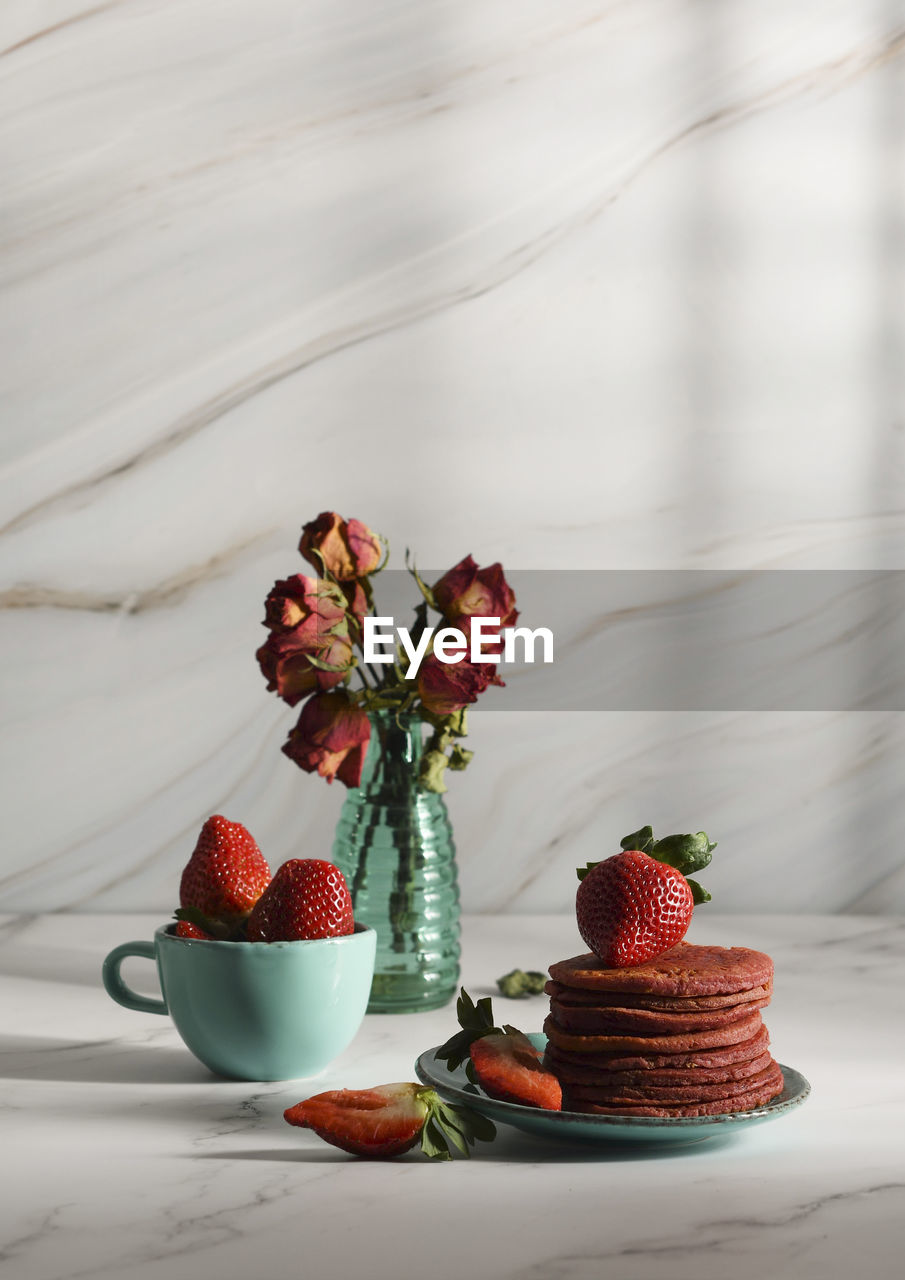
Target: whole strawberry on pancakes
x,y
646,1024
639,903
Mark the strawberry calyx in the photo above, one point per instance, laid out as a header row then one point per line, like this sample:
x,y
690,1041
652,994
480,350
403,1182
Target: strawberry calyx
x,y
501,1061
686,853
449,1126
476,1021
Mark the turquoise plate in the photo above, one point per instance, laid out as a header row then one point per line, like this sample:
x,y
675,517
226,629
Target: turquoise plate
x,y
565,1126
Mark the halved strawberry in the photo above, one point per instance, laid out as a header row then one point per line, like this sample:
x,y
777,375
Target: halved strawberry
x,y
389,1119
501,1059
509,1067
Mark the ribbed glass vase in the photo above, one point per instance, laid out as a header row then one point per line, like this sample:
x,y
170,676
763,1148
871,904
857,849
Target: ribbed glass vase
x,y
395,847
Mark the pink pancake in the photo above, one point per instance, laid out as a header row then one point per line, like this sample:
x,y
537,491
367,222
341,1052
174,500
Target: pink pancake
x,y
569,1074
635,1000
684,1042
684,970
624,1095
720,1106
623,1061
587,1020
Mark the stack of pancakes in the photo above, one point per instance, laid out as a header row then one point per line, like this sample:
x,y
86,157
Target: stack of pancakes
x,y
680,1035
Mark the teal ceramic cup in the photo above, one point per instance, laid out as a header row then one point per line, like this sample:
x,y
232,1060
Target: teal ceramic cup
x,y
256,1010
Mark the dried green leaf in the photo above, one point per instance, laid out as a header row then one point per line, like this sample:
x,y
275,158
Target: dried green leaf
x,y
460,758
433,766
325,666
519,983
422,585
385,543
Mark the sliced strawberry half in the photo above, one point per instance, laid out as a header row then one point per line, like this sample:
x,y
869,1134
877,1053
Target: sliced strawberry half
x,y
501,1059
509,1067
390,1119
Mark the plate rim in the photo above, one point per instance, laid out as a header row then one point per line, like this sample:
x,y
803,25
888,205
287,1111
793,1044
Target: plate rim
x,y
791,1077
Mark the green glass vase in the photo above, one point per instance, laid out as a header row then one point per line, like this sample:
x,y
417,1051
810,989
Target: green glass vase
x,y
395,847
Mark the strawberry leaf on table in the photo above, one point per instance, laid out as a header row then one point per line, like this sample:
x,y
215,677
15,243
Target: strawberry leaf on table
x,y
518,984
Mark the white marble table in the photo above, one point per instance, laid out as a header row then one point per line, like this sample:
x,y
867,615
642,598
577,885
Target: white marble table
x,y
123,1157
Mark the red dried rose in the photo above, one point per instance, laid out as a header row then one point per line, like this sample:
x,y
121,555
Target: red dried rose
x,y
347,548
357,603
306,620
331,737
445,688
465,592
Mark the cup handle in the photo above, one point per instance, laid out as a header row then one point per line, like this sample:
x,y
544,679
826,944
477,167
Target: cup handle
x,y
116,987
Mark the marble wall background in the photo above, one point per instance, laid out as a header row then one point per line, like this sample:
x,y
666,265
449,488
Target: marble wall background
x,y
587,285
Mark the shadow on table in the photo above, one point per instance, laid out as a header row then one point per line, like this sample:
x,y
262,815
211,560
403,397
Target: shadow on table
x,y
509,1148
286,1155
98,1061
67,965
521,1148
